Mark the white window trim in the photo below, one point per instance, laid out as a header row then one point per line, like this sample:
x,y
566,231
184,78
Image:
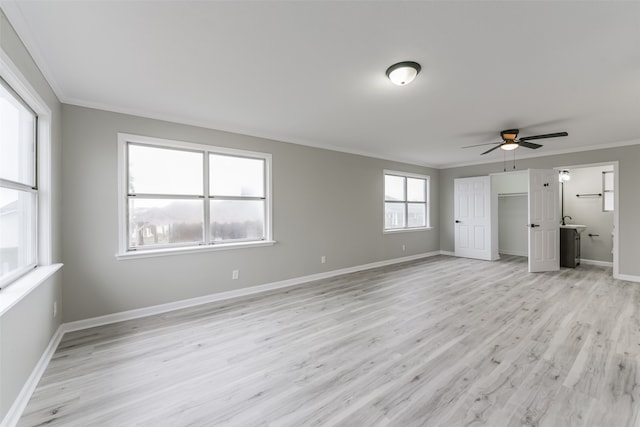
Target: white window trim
x,y
124,253
26,283
427,202
604,191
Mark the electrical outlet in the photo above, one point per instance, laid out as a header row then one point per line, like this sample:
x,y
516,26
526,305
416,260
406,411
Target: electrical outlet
x,y
323,259
55,309
234,275
403,248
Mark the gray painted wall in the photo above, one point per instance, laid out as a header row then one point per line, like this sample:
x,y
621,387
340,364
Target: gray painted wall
x,y
588,211
629,181
26,329
324,203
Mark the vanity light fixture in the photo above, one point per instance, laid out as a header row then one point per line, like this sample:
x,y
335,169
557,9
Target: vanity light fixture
x,y
403,73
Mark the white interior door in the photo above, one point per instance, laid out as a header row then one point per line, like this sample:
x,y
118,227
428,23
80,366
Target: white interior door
x,y
544,221
472,211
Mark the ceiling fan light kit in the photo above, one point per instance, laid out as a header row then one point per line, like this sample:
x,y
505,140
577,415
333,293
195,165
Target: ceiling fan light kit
x,y
403,73
509,145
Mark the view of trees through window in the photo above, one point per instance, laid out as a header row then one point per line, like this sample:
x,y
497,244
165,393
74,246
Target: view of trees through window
x,y
172,203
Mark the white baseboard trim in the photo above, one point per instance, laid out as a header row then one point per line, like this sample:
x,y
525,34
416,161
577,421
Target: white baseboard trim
x,y
627,277
448,253
15,412
192,302
598,263
516,253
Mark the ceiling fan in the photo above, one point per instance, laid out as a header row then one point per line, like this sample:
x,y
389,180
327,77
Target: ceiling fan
x,y
510,141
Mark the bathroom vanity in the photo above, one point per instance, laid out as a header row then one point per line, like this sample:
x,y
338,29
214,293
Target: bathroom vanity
x,y
570,245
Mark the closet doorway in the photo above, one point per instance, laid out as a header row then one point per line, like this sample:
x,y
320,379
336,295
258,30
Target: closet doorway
x,y
525,218
590,197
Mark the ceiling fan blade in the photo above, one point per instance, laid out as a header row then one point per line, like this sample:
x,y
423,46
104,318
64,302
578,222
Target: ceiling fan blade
x,y
494,148
548,135
529,144
478,145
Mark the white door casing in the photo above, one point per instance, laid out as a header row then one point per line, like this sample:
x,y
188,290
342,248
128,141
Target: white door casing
x,y
472,211
544,221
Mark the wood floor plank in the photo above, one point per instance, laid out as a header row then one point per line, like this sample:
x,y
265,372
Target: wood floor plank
x,y
437,342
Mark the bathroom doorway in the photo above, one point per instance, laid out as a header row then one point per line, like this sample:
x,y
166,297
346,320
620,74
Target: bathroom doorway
x,y
589,196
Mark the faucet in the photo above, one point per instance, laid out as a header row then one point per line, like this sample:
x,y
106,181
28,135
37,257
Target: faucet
x,y
566,216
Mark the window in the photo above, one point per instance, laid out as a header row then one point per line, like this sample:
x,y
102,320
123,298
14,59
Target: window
x,y
180,195
18,186
607,191
405,201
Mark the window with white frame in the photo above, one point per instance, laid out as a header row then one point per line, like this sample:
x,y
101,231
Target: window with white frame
x,y
607,191
191,195
18,186
406,198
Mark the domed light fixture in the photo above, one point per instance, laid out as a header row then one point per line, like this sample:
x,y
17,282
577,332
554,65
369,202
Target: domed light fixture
x,y
564,176
403,73
509,145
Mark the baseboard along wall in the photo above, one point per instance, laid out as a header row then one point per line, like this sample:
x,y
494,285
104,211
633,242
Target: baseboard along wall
x,y
15,412
595,262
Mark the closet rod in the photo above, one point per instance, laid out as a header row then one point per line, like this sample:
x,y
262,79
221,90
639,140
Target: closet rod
x,y
511,194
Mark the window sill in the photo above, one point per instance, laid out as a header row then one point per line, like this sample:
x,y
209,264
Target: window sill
x,y
406,230
192,249
16,291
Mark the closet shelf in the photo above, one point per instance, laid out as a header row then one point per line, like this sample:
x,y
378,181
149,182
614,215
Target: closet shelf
x,y
511,194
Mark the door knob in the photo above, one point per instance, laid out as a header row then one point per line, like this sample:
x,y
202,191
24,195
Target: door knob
x,y
458,222
534,225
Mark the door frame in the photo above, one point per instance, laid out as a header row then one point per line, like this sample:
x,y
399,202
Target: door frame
x,y
616,207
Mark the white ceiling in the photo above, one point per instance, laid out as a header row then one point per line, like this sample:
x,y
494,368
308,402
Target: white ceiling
x,y
313,72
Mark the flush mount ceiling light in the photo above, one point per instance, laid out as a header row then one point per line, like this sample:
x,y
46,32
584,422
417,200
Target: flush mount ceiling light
x,y
564,176
403,73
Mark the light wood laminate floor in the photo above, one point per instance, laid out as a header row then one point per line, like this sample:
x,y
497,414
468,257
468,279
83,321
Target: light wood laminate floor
x,y
438,342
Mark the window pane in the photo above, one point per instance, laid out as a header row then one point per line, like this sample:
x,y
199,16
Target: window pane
x,y
17,231
393,187
236,176
608,181
17,140
417,215
394,215
237,220
155,170
608,201
165,221
416,190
